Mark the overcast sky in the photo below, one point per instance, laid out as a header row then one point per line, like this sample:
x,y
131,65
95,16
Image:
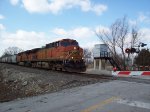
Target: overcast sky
x,y
33,23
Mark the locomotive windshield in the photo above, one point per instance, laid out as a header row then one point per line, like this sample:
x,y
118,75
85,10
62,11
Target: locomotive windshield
x,y
68,43
74,43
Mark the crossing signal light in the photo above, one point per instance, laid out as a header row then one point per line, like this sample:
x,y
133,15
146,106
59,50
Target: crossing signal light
x,y
128,50
133,50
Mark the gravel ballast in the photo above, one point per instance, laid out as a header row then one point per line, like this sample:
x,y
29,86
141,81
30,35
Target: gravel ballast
x,y
19,82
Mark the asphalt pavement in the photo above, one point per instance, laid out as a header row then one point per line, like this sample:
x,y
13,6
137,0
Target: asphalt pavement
x,y
113,96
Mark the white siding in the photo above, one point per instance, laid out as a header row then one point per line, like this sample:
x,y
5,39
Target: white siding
x,y
100,48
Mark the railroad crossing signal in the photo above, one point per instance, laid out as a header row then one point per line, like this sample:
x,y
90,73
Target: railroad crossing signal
x,y
134,50
130,50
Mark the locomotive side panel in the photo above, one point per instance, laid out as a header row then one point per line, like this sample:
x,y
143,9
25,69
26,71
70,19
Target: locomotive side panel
x,y
48,53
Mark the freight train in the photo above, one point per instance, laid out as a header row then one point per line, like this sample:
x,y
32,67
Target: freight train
x,y
65,54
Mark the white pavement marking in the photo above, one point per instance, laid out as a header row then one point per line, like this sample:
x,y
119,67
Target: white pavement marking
x,y
134,103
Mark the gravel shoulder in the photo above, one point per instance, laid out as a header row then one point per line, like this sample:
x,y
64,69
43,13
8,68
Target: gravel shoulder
x,y
19,82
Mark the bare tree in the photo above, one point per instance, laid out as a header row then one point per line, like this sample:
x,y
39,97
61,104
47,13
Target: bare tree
x,y
117,36
12,51
87,54
123,29
134,36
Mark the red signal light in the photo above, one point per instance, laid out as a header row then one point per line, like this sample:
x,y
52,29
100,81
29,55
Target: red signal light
x,y
128,50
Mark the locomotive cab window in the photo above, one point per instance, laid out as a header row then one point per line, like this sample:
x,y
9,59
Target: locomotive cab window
x,y
74,43
53,44
65,43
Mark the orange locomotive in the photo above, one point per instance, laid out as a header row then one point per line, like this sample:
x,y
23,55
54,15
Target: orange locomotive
x,y
63,55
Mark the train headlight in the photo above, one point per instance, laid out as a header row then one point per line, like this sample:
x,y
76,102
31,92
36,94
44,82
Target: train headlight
x,y
72,57
75,48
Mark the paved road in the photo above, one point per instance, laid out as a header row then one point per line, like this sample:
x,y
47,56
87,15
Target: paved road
x,y
113,96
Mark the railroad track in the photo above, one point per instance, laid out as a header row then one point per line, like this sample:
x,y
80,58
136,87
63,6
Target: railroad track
x,y
102,76
96,76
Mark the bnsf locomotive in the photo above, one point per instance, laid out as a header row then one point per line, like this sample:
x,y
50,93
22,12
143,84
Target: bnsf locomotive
x,y
60,55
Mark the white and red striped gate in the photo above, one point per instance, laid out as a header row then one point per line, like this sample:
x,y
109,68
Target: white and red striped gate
x,y
131,73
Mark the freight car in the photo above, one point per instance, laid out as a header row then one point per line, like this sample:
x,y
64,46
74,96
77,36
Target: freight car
x,y
65,54
9,59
